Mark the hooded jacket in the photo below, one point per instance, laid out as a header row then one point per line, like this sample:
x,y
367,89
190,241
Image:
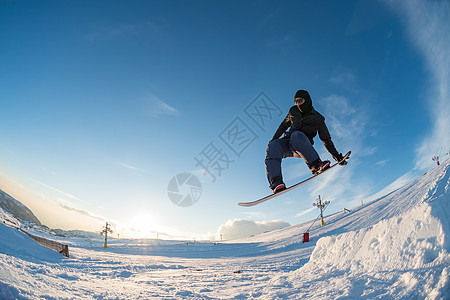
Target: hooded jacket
x,y
307,120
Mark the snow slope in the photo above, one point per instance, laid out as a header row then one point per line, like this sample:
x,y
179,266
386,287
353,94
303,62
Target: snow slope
x,y
394,247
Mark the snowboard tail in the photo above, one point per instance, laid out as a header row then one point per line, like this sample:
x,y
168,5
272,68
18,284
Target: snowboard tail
x,y
252,203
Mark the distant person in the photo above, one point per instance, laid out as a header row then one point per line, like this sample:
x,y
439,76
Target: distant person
x,y
304,123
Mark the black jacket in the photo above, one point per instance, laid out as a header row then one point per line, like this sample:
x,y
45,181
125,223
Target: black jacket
x,y
310,124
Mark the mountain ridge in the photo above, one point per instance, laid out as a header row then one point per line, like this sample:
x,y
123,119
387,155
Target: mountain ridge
x,y
17,209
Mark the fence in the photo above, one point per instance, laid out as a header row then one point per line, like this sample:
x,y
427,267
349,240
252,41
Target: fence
x,y
54,245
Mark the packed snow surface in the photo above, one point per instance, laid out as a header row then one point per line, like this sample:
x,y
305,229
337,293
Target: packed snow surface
x,y
394,247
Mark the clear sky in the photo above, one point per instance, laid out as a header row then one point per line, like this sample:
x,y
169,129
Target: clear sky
x,y
103,103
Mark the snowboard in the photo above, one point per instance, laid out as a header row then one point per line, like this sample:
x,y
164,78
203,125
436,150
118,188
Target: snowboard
x,y
251,203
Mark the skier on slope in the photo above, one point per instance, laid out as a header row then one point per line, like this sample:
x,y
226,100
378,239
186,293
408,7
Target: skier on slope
x,y
304,123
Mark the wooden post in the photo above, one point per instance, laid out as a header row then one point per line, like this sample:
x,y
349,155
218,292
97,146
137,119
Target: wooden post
x,y
65,250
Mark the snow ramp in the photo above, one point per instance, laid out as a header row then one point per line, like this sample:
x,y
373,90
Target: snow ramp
x,y
400,247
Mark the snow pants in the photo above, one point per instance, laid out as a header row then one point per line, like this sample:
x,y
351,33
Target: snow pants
x,y
297,145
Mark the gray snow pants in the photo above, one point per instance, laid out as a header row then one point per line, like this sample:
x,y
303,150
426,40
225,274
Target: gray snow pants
x,y
297,145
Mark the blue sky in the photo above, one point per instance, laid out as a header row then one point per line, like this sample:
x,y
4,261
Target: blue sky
x,y
104,102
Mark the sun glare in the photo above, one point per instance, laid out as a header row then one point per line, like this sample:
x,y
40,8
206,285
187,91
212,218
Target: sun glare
x,y
144,225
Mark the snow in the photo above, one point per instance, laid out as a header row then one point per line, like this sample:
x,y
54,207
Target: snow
x,y
394,247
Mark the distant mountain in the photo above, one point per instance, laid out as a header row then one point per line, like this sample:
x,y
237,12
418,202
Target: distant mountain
x,y
17,209
77,234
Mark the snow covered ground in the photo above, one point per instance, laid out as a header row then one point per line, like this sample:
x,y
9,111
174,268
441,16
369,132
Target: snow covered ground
x,y
394,247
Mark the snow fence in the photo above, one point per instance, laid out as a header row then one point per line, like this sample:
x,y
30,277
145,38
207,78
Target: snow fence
x,y
54,245
51,244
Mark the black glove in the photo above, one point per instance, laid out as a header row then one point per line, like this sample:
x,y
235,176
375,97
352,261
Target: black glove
x,y
338,158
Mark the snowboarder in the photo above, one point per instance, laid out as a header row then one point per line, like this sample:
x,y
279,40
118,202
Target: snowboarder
x,y
304,123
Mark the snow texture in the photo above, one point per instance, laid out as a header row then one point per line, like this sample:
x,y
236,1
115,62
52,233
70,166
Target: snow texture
x,y
396,247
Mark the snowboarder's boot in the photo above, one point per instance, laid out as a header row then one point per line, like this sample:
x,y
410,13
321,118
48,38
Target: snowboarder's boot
x,y
279,188
319,166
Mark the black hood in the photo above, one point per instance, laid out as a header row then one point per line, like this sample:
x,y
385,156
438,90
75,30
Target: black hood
x,y
307,106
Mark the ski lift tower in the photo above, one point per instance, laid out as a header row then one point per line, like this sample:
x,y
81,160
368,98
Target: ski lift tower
x,y
321,205
436,159
105,231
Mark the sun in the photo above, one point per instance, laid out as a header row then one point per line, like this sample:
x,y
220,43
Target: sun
x,y
144,225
